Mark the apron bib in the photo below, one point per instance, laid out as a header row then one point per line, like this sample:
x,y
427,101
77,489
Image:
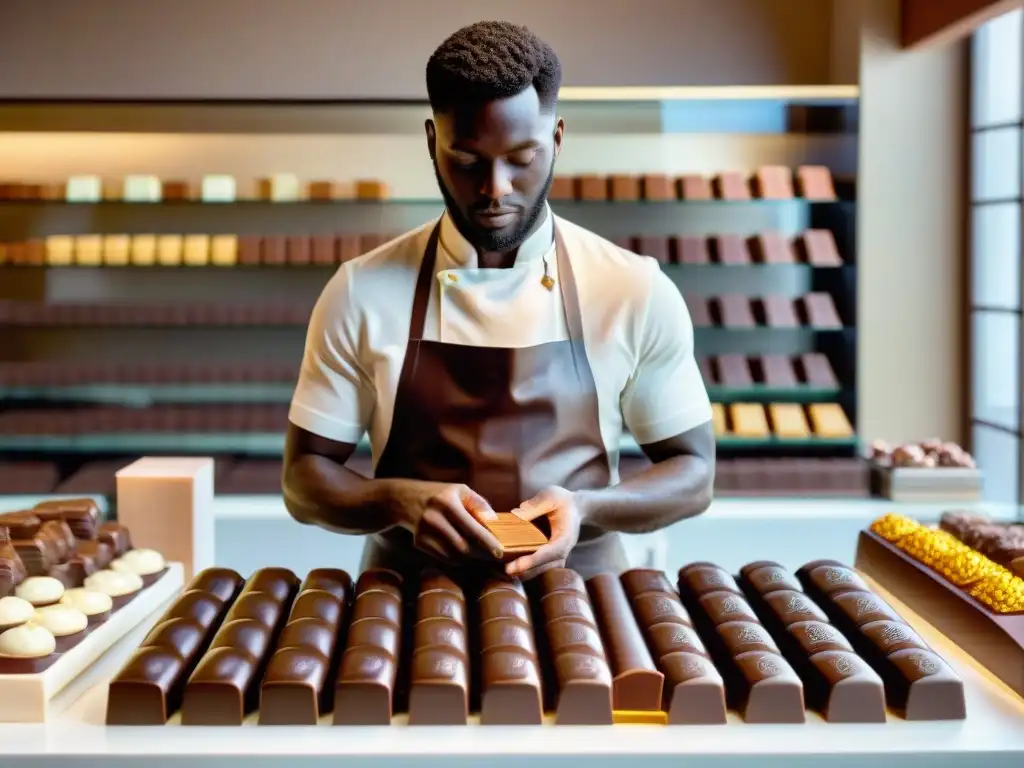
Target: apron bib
x,y
507,422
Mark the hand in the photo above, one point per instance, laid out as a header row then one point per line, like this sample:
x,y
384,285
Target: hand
x,y
447,521
561,509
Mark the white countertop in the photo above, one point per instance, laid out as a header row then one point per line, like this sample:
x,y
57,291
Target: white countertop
x,y
992,735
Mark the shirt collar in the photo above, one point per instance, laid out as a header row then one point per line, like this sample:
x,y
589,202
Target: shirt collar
x,y
458,249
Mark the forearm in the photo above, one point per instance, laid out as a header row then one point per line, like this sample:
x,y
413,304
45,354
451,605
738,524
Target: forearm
x,y
319,491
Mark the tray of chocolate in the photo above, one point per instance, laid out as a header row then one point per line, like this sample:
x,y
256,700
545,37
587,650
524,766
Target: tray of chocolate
x,y
964,577
70,587
932,470
762,646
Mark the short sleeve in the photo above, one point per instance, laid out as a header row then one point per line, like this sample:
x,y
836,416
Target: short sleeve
x,y
334,397
666,395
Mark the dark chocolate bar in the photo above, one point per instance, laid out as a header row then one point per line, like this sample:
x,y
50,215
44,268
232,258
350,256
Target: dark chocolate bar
x,y
297,250
771,248
819,311
729,249
734,371
688,249
274,250
733,311
694,187
250,250
81,515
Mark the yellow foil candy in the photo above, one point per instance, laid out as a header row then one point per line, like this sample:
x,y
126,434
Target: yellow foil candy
x,y
1001,591
893,527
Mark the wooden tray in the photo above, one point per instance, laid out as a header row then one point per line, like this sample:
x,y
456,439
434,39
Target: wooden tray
x,y
26,698
939,484
995,640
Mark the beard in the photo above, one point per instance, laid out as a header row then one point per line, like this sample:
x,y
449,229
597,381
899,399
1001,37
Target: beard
x,y
489,240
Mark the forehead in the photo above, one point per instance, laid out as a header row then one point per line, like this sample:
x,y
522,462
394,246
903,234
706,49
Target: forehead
x,y
496,124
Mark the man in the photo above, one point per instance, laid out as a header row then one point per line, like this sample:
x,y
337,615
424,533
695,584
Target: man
x,y
495,356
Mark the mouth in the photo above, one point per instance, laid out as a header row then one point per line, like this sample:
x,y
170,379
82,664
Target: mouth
x,y
494,219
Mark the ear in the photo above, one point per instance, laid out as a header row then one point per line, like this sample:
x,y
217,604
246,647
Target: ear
x,y
431,138
559,132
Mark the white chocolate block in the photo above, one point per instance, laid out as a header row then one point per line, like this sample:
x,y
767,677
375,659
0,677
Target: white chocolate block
x,y
218,188
279,188
168,250
196,250
224,250
84,189
116,250
143,250
89,250
60,250
142,189
167,505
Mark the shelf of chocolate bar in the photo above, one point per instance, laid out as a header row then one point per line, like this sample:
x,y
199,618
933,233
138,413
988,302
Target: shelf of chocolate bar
x,y
966,577
70,587
767,645
733,376
816,310
815,247
932,470
740,424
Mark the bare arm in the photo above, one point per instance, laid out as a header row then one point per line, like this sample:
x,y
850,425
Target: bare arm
x,y
678,485
320,490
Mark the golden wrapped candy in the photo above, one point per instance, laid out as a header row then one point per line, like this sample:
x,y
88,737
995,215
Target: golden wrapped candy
x,y
966,567
893,527
1001,591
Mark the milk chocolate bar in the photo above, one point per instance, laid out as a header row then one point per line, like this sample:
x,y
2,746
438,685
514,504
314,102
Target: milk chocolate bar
x,y
838,683
918,683
687,249
12,570
149,687
250,250
176,191
439,674
760,683
734,371
274,251
562,188
773,182
814,182
729,249
694,692
322,191
583,679
365,690
657,187
818,248
700,310
771,248
324,250
655,247
511,692
776,371
817,371
349,247
591,188
694,187
624,187
295,688
81,515
636,682
225,685
733,311
819,311
517,537
371,189
297,250
116,536
730,186
777,311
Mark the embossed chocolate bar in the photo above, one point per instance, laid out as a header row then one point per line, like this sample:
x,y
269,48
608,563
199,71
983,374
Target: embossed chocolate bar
x,y
439,673
837,682
918,683
149,687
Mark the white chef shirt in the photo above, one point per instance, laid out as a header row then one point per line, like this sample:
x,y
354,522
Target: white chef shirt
x,y
637,331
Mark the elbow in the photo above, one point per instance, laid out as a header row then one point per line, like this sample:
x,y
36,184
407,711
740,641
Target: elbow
x,y
701,501
291,490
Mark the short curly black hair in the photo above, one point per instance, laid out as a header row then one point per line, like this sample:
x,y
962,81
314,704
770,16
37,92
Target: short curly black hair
x,y
491,60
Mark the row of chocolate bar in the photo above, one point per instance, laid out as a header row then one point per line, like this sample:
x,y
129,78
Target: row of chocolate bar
x,y
766,644
774,182
816,247
813,310
154,419
816,310
733,371
63,573
212,188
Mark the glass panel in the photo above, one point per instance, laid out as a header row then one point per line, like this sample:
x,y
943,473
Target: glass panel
x,y
998,457
996,368
996,165
995,257
996,70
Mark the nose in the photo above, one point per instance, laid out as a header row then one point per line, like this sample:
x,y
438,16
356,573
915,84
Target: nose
x,y
497,183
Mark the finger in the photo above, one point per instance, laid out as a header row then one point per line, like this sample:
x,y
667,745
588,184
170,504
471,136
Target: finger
x,y
535,572
444,530
477,506
539,505
548,553
472,527
433,547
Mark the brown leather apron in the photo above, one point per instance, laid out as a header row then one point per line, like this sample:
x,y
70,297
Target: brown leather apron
x,y
508,423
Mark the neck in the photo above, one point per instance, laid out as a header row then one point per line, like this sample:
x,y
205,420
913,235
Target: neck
x,y
507,259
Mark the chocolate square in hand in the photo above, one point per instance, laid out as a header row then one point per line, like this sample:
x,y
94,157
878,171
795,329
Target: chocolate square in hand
x,y
518,537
